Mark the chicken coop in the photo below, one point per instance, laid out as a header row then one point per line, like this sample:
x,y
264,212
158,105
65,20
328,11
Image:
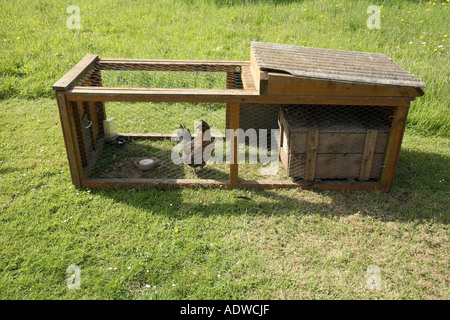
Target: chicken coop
x,y
291,117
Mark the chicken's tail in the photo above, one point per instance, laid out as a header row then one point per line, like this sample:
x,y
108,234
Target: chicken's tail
x,y
183,132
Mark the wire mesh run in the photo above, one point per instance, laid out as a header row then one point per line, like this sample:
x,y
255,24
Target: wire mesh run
x,y
153,74
113,148
294,143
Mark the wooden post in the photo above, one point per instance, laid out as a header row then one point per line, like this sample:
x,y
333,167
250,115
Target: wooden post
x,y
68,139
234,125
393,149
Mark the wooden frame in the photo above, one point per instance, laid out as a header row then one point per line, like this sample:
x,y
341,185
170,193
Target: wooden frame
x,y
258,86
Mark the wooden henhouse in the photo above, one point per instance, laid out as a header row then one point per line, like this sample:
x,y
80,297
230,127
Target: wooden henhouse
x,y
338,119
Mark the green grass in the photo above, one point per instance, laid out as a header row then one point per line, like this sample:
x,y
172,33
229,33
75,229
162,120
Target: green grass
x,y
275,244
37,48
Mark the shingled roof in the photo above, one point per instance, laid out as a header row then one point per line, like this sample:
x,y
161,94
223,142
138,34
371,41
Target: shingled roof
x,y
334,65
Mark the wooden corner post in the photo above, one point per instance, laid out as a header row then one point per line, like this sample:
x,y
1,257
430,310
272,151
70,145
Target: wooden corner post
x,y
234,143
393,149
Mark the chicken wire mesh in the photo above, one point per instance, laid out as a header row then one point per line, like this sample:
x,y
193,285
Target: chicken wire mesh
x,y
119,141
162,75
276,142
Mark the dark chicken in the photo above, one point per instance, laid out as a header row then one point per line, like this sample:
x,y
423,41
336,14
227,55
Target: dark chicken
x,y
193,148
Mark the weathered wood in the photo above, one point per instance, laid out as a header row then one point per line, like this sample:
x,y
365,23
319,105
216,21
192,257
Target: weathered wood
x,y
259,184
334,65
334,166
338,142
151,183
260,78
394,145
285,160
71,110
76,72
312,144
287,84
68,139
247,79
217,95
367,157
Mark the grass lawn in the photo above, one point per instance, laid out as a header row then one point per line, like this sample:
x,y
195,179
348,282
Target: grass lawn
x,y
195,243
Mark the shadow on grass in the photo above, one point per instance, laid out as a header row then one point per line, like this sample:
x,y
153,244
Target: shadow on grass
x,y
420,194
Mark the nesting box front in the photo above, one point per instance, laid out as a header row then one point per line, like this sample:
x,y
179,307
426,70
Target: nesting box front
x,y
328,142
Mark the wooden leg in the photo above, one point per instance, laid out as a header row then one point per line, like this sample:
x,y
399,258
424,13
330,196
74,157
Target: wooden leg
x,y
234,125
65,117
393,149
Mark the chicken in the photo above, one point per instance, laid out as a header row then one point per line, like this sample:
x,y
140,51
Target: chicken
x,y
193,149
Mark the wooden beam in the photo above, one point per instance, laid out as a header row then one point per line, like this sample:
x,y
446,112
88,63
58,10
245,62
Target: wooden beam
x,y
76,72
159,136
243,184
287,84
217,95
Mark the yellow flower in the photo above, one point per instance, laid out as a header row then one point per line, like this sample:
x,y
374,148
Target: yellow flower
x,y
445,35
421,37
176,230
18,38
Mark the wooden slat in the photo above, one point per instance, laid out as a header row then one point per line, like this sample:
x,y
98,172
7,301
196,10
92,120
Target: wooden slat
x,y
367,157
260,78
151,183
259,184
76,72
215,95
335,165
68,139
311,154
247,79
290,85
338,142
159,136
